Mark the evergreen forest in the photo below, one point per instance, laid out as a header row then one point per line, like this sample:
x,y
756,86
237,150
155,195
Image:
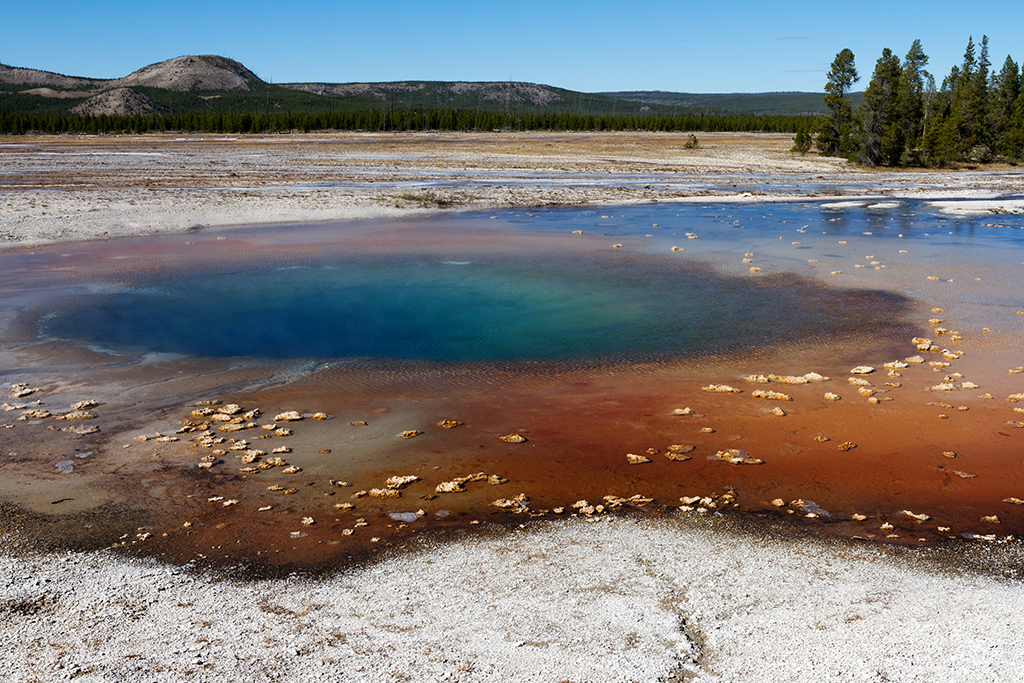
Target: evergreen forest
x,y
975,116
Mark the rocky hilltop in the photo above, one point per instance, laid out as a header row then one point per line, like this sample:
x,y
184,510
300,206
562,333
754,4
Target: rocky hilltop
x,y
12,75
192,74
532,93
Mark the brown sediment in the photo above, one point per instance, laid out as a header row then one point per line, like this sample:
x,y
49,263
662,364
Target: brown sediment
x,y
577,422
579,426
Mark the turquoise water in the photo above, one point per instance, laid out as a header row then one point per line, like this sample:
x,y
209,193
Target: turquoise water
x,y
500,309
307,295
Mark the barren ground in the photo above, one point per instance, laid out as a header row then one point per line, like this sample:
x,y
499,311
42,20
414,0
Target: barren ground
x,y
55,189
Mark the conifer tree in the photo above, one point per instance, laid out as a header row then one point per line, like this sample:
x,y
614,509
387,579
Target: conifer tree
x,y
1006,89
912,102
836,134
884,133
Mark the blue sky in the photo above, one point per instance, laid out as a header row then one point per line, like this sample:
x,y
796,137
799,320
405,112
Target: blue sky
x,y
600,45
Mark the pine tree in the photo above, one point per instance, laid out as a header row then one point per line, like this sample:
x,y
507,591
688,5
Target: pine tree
x,y
884,133
915,82
1006,89
836,134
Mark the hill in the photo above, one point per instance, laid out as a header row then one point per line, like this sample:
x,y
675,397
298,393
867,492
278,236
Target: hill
x,y
205,85
769,103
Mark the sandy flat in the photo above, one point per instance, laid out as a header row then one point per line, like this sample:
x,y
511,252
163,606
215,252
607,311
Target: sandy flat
x,y
66,188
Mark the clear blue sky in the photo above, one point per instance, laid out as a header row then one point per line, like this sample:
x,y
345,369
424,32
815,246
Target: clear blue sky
x,y
600,45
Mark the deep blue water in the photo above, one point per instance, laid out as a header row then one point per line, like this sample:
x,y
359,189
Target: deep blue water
x,y
453,304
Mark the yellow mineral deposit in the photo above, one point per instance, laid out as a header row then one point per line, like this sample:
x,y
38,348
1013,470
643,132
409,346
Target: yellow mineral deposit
x,y
291,469
85,405
857,517
829,396
22,390
635,459
288,416
736,456
615,502
385,493
398,482
721,389
847,446
991,519
519,502
678,452
683,411
778,412
921,517
755,270
410,433
707,430
1014,501
357,423
449,424
513,438
770,395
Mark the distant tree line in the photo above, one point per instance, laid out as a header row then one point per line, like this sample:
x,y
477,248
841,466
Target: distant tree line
x,y
977,115
392,119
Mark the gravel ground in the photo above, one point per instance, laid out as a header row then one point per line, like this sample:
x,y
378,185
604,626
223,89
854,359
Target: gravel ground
x,y
61,188
689,598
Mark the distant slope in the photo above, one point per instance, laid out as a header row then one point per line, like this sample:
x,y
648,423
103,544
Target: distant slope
x,y
192,74
211,84
441,93
16,76
769,103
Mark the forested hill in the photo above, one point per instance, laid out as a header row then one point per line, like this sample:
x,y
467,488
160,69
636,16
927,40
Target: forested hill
x,y
768,103
205,84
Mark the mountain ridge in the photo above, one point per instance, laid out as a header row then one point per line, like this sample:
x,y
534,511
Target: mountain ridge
x,y
214,83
